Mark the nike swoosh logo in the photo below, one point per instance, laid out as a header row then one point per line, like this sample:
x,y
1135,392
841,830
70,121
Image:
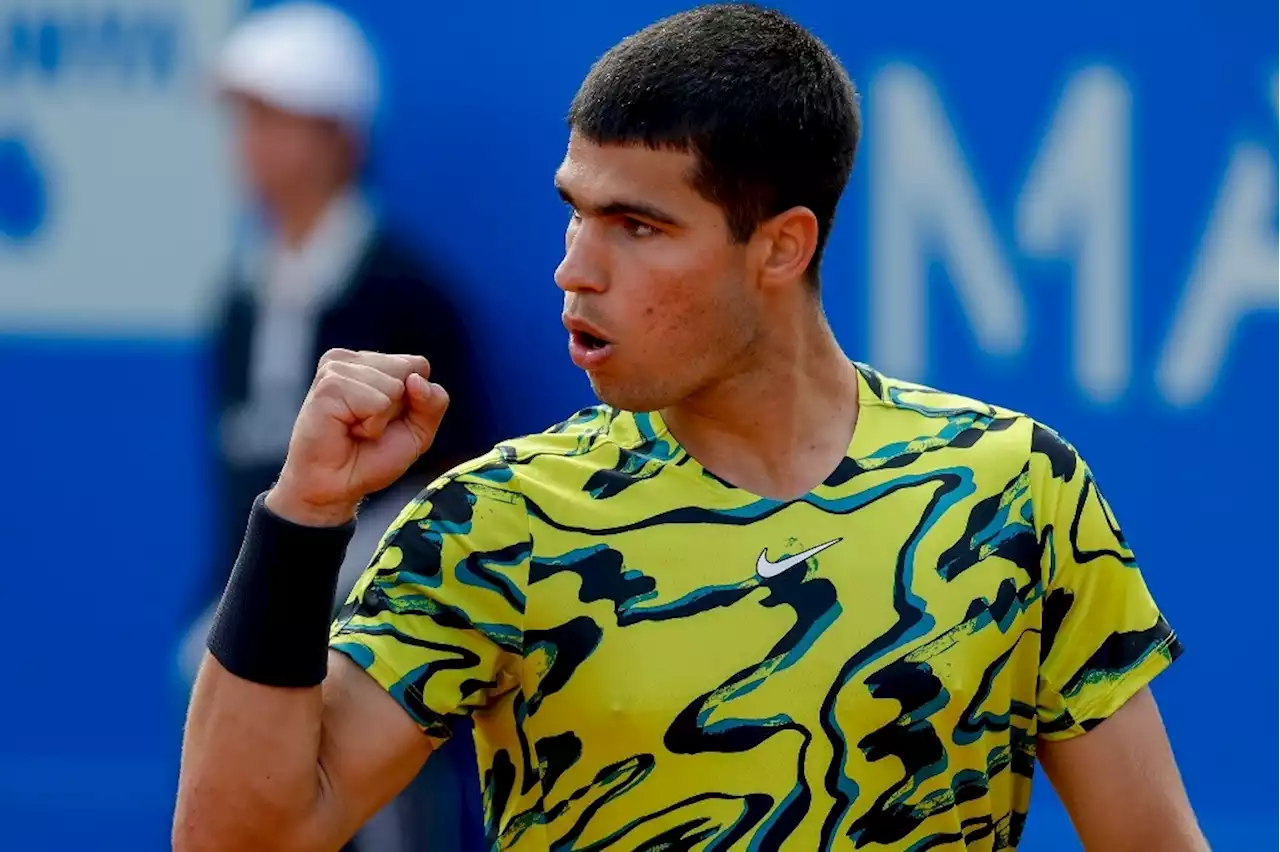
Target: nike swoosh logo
x,y
767,569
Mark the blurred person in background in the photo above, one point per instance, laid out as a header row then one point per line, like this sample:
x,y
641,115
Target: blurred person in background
x,y
325,273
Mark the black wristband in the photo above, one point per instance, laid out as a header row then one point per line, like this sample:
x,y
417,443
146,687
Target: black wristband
x,y
272,624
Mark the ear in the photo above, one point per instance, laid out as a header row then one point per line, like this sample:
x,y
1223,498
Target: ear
x,y
785,246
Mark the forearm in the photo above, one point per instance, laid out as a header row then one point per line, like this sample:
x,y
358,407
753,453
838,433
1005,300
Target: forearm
x,y
251,776
251,773
290,746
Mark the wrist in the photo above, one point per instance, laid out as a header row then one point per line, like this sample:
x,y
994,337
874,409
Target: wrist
x,y
273,621
285,504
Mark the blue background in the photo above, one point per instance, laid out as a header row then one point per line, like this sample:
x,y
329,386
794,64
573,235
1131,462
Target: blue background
x,y
102,517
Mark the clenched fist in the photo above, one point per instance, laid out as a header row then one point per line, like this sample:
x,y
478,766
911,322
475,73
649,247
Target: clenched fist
x,y
366,419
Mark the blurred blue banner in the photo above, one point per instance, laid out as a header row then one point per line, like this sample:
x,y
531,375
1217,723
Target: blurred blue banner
x,y
1067,209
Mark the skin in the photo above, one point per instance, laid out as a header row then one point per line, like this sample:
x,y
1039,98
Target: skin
x,y
1121,786
293,164
702,329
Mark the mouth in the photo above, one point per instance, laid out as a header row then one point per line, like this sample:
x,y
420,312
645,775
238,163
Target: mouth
x,y
588,341
588,348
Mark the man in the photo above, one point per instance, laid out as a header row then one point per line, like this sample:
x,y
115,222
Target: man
x,y
761,598
302,85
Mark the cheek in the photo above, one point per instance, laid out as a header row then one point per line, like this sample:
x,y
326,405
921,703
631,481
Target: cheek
x,y
266,158
683,304
680,321
288,153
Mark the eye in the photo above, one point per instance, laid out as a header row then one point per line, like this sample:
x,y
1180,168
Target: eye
x,y
638,229
575,222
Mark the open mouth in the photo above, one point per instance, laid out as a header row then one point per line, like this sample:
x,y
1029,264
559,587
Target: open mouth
x,y
589,341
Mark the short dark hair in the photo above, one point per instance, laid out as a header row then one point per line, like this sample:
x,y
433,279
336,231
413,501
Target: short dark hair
x,y
767,110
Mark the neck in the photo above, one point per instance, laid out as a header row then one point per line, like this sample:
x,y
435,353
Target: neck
x,y
782,423
296,217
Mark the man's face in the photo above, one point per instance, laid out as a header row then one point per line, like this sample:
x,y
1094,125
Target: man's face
x,y
286,155
657,294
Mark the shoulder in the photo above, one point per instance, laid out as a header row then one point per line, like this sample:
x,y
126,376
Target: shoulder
x,y
388,254
483,506
990,434
580,434
1005,452
566,454
585,431
392,265
924,401
562,457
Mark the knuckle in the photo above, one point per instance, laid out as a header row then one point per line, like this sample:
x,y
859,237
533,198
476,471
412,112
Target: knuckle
x,y
373,361
392,365
335,355
343,368
416,364
330,383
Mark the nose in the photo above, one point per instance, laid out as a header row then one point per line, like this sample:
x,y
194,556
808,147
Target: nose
x,y
584,267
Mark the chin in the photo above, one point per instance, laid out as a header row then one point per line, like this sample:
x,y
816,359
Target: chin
x,y
629,396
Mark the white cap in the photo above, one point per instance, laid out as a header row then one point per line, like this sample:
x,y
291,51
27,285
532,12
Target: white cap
x,y
304,58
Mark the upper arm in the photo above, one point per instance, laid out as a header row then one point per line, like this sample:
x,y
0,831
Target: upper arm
x,y
431,632
370,750
1102,636
1120,785
437,620
1103,640
288,768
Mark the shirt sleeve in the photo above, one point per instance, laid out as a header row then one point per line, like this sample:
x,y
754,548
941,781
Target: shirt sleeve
x,y
1102,636
437,617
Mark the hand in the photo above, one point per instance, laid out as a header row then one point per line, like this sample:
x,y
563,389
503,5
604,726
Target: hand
x,y
366,419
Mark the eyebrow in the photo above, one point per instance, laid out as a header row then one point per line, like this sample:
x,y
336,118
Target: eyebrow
x,y
620,207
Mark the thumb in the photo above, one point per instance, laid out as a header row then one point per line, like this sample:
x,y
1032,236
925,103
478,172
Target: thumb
x,y
427,404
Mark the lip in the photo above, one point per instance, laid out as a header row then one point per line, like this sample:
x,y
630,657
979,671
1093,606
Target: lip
x,y
573,324
582,355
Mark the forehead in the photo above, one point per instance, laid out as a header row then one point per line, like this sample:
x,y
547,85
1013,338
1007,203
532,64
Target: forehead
x,y
260,114
597,173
